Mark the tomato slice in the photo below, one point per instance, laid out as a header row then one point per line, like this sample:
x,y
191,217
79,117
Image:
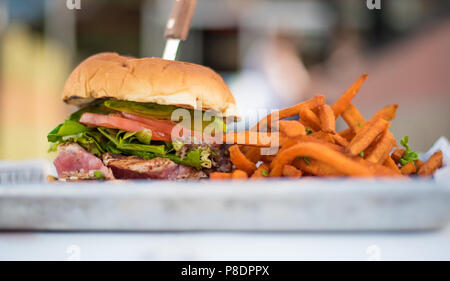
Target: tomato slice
x,y
161,129
163,126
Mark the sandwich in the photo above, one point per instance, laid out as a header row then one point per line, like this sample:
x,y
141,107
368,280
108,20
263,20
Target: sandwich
x,y
142,119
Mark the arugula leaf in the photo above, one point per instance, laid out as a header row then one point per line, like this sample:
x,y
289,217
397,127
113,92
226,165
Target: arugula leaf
x,y
110,147
122,143
409,156
108,135
193,158
67,128
128,135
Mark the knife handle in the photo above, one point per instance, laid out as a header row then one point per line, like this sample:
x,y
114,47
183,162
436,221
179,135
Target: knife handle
x,y
179,22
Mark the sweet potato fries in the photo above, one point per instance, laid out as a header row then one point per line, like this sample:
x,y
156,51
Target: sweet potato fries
x,y
311,146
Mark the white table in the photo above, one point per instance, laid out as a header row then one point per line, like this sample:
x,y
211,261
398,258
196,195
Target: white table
x,y
433,245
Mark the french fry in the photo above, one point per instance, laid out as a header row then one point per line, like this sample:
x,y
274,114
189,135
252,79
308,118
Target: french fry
x,y
418,164
345,99
291,128
398,154
219,176
314,167
392,165
387,113
366,136
368,150
353,118
319,152
362,150
239,175
340,140
321,135
347,134
318,137
261,172
253,154
431,165
283,138
288,112
356,121
377,169
240,161
310,119
291,172
327,120
380,151
288,143
408,169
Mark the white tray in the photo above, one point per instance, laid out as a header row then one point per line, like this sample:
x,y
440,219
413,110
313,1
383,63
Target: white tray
x,y
272,205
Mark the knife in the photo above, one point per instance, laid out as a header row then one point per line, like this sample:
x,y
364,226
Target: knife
x,y
177,27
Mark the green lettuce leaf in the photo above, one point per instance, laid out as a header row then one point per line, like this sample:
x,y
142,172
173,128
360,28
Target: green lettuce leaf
x,y
67,128
86,140
123,141
192,158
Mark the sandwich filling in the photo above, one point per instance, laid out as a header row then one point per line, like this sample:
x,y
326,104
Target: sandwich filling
x,y
121,139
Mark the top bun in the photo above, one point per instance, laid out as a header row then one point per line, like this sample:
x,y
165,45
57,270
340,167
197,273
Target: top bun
x,y
109,75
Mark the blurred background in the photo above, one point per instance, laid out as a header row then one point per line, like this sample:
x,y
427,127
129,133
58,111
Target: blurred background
x,y
271,53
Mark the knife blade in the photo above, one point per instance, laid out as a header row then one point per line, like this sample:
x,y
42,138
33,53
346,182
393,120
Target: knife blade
x,y
177,27
170,51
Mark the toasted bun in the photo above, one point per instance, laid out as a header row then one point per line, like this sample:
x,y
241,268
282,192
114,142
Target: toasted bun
x,y
109,75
